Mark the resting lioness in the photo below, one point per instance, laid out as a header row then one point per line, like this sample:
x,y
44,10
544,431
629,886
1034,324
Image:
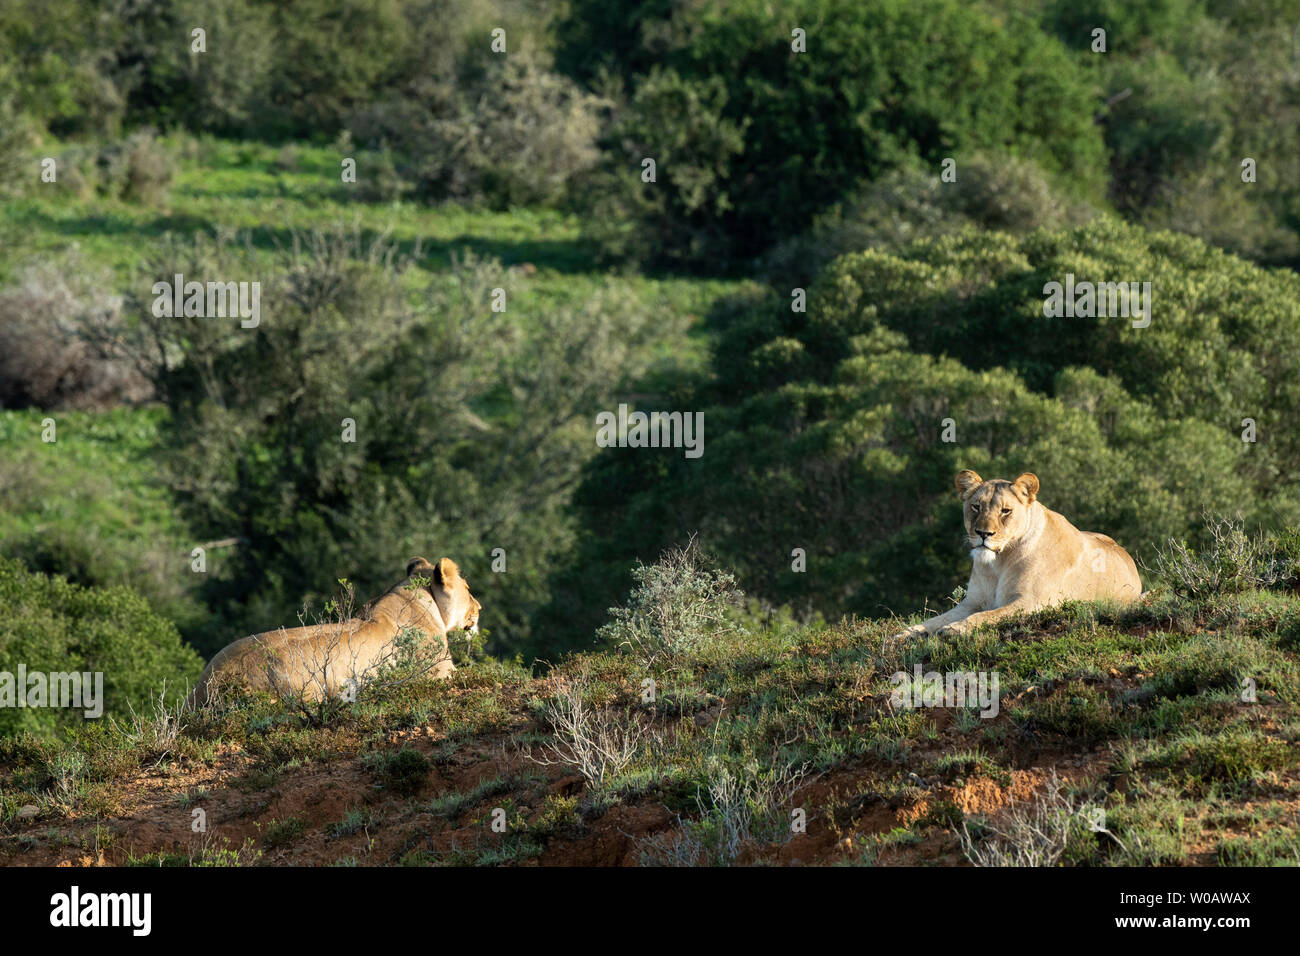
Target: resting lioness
x,y
1027,556
321,659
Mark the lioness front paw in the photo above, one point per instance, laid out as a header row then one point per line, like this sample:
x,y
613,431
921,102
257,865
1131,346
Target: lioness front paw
x,y
911,633
953,629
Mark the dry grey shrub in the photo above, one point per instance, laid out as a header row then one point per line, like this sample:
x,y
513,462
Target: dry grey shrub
x,y
156,729
58,326
1027,834
736,808
1232,562
138,168
597,741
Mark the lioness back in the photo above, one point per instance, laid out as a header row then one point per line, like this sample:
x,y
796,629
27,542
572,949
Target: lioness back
x,y
319,660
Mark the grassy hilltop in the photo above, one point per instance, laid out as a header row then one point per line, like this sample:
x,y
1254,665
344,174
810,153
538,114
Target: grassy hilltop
x,y
1122,737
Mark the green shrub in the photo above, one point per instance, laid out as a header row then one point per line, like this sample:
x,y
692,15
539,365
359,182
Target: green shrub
x,y
680,124
329,59
513,133
59,64
811,130
1002,193
1192,89
676,608
225,89
136,169
49,625
402,771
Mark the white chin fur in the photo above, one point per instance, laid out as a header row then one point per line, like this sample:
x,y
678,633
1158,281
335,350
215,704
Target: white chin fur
x,y
982,555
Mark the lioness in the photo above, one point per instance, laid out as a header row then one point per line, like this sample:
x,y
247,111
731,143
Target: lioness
x,y
321,659
1027,556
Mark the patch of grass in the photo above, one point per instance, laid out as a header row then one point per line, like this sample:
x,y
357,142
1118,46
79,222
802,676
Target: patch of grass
x,y
1237,757
354,821
1277,845
452,805
282,832
200,856
402,771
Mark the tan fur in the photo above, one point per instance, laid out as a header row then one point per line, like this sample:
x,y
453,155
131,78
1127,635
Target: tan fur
x,y
1039,558
323,657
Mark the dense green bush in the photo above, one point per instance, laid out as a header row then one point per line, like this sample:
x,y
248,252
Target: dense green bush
x,y
680,125
990,192
331,57
137,168
826,430
59,66
228,87
1223,343
51,626
812,129
1195,87
513,132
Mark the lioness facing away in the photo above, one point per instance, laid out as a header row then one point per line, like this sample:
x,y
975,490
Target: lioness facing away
x,y
319,660
1027,556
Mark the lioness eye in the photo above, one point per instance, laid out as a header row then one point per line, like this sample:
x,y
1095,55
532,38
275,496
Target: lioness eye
x,y
1005,512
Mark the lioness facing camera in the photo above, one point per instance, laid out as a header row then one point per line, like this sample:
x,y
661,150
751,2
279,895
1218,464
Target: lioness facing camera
x,y
1027,556
311,662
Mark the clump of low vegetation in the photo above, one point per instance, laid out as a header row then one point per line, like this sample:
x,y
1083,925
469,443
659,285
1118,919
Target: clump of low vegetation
x,y
1230,562
597,741
679,604
1029,834
737,808
402,771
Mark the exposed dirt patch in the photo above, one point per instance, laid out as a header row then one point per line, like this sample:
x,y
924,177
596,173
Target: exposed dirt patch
x,y
844,809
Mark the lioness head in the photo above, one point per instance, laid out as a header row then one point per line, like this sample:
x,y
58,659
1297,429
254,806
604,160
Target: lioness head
x,y
450,591
996,512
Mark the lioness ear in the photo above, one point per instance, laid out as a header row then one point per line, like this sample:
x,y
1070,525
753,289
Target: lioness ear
x,y
417,564
446,571
968,481
1027,486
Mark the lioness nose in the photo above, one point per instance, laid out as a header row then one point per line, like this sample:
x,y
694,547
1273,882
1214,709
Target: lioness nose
x,y
983,534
